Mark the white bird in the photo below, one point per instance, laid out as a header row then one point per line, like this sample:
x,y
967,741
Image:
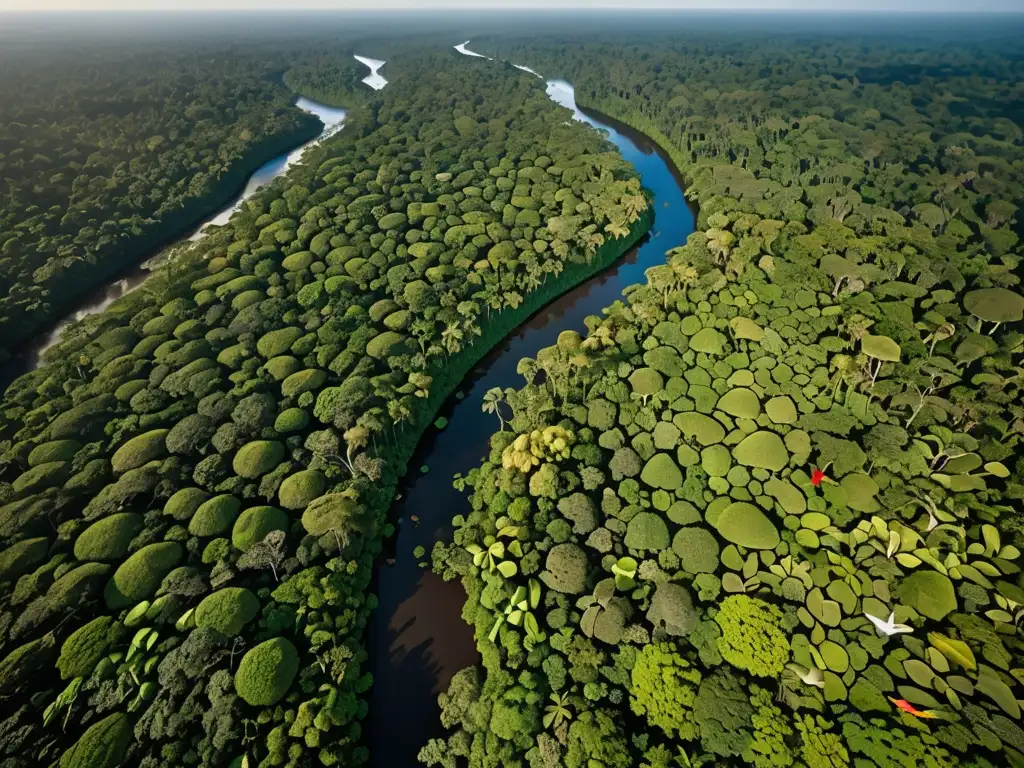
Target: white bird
x,y
889,627
812,676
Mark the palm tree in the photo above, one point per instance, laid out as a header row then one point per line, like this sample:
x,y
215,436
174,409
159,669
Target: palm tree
x,y
399,411
558,711
527,368
616,228
493,398
355,438
720,241
599,338
452,337
634,205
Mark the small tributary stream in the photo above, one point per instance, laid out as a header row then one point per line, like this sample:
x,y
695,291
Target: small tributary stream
x,y
418,639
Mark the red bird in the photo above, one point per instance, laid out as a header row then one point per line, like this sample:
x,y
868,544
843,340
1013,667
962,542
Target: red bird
x,y
910,709
816,477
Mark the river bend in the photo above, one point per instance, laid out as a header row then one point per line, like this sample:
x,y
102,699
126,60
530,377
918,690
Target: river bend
x,y
417,638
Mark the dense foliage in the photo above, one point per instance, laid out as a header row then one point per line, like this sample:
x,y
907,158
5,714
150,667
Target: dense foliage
x,y
767,510
195,488
105,153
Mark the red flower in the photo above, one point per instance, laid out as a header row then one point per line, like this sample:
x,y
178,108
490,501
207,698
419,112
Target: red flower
x,y
816,477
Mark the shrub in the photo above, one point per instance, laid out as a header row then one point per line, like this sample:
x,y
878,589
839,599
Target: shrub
x,y
581,511
291,420
565,569
139,577
76,585
214,516
697,548
646,382
257,458
183,504
298,490
672,609
662,472
255,523
266,672
108,539
282,367
227,610
664,687
298,261
332,512
86,646
190,435
22,557
20,664
303,381
55,450
381,344
43,476
103,745
139,450
82,420
160,326
117,495
752,636
647,531
129,389
278,342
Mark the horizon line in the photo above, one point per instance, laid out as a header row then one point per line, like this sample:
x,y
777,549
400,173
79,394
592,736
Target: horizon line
x,y
513,9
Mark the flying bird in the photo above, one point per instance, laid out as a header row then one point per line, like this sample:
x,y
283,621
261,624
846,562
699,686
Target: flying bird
x,y
889,627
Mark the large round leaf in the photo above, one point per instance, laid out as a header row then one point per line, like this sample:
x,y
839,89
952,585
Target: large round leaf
x,y
746,525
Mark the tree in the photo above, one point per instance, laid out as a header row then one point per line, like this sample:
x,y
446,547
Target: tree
x,y
664,688
264,554
493,399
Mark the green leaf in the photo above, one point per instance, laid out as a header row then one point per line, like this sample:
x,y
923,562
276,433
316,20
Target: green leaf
x,y
990,685
185,621
589,620
492,636
534,593
507,568
956,651
136,614
997,469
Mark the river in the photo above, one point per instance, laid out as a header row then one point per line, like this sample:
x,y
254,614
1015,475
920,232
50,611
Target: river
x,y
417,638
102,297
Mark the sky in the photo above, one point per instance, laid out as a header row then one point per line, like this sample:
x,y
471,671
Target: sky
x,y
904,6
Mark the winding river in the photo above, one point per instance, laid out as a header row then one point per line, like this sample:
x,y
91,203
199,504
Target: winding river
x,y
30,357
417,637
417,634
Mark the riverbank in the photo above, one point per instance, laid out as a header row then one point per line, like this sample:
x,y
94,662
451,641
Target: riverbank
x,y
112,262
659,141
418,636
117,283
411,677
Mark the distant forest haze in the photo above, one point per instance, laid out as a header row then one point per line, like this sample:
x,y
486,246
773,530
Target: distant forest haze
x,y
759,504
